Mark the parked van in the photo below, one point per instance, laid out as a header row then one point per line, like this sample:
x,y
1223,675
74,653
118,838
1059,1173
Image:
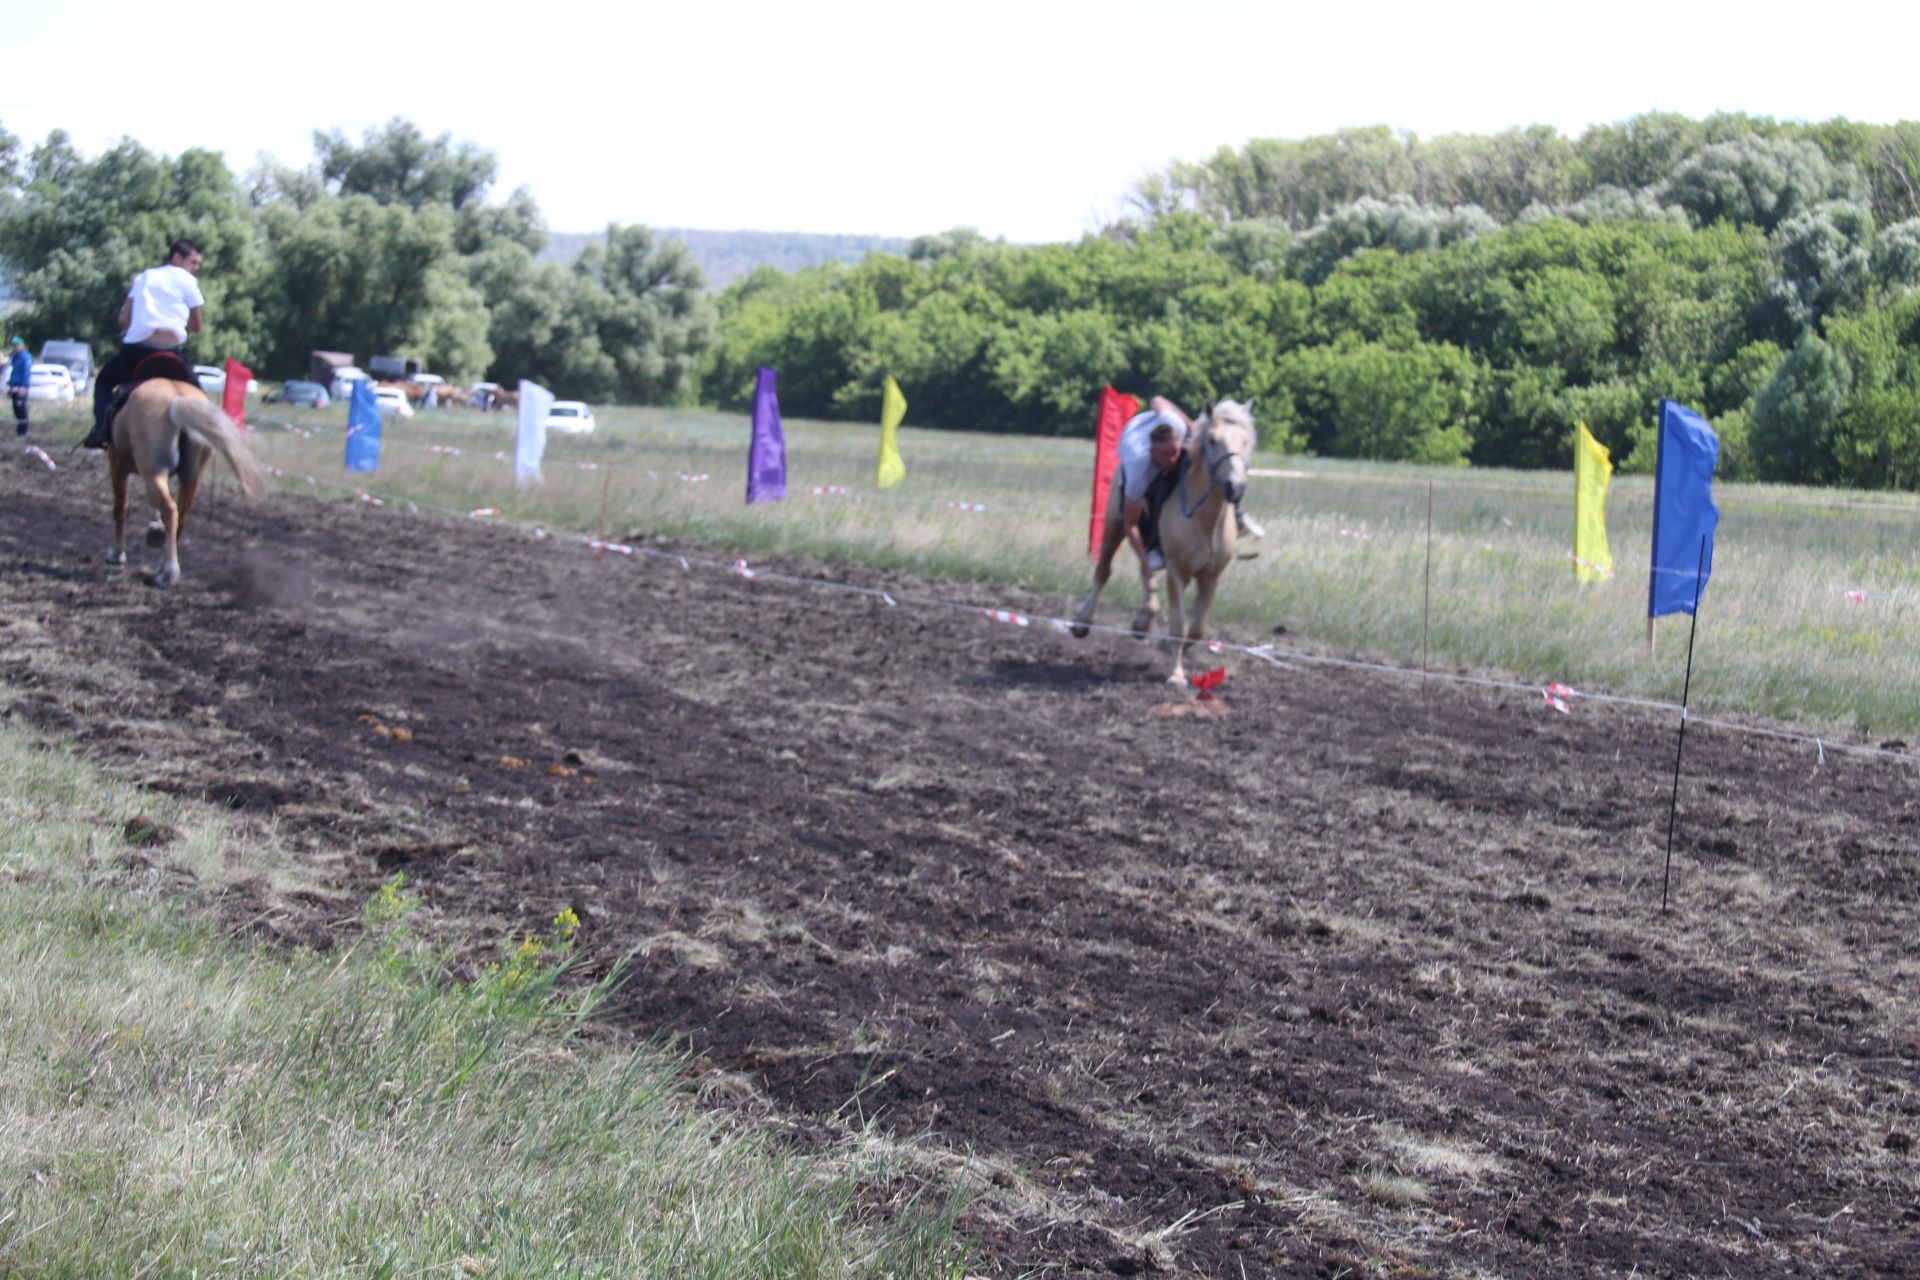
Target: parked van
x,y
76,356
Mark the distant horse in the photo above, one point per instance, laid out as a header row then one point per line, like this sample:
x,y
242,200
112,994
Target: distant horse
x,y
1198,532
168,427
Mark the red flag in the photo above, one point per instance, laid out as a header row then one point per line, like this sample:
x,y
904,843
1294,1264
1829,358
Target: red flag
x,y
1115,410
233,401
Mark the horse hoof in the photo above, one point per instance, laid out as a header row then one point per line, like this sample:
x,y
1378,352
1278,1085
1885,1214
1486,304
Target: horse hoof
x,y
1079,630
156,534
165,577
116,556
1178,679
1142,623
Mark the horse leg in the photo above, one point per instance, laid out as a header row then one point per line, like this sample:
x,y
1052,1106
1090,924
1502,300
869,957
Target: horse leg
x,y
1149,600
193,464
117,468
1112,535
1177,627
157,493
1204,587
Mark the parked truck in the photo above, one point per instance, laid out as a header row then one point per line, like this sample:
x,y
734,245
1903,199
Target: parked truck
x,y
75,355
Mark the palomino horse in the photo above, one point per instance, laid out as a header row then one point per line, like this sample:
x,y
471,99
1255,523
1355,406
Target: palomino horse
x,y
168,425
1198,532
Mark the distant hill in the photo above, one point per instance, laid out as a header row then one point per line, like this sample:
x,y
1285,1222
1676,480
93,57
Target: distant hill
x,y
727,256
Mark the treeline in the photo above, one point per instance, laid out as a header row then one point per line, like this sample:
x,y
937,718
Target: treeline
x,y
727,256
1464,299
1761,272
385,246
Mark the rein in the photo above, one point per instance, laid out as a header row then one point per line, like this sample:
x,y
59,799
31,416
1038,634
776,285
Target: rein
x,y
1180,479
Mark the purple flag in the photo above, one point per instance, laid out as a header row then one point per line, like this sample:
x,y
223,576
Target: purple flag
x,y
767,455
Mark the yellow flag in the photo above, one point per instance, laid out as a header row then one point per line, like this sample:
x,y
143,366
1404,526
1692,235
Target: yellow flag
x,y
893,407
1592,468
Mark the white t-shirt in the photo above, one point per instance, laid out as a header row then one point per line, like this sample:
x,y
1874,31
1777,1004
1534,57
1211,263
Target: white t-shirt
x,y
1136,447
162,297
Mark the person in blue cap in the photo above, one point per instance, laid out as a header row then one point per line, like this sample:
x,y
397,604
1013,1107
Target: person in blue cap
x,y
19,382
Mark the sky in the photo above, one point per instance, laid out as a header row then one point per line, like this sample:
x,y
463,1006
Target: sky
x,y
1029,120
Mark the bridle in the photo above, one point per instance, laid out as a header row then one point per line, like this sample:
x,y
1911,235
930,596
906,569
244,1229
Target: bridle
x,y
1213,473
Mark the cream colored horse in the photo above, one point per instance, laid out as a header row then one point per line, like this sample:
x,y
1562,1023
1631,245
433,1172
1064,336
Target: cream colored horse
x,y
163,427
1198,532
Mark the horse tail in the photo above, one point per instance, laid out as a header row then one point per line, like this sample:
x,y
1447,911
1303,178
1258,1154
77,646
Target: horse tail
x,y
205,423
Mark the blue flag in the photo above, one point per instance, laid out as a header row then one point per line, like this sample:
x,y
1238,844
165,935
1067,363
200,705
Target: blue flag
x,y
767,455
1683,510
363,428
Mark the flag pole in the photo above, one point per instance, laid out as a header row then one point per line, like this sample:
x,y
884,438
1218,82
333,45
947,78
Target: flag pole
x,y
605,484
1686,689
1426,603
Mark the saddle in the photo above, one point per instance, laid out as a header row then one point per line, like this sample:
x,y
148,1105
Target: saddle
x,y
160,364
153,365
1159,489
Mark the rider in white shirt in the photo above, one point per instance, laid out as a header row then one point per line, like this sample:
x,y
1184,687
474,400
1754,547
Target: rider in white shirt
x,y
162,307
1150,447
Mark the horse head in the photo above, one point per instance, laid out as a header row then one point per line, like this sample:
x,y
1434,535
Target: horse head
x,y
1226,440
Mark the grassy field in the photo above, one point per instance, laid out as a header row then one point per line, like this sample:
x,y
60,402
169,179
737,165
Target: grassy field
x,y
181,1104
1779,636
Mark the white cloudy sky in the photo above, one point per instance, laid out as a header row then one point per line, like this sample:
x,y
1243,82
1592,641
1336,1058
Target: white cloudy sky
x,y
1024,119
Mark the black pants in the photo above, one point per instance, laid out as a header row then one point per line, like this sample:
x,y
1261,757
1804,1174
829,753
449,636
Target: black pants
x,y
1159,489
19,397
115,372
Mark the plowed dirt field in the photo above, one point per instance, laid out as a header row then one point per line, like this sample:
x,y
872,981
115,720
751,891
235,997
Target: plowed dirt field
x,y
1350,981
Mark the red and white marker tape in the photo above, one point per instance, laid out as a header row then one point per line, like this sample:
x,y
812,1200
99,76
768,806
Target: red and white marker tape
x,y
443,448
1557,695
499,456
1585,563
695,479
975,507
587,466
481,513
1007,616
368,498
1858,597
1214,646
621,547
740,566
41,454
821,490
1355,533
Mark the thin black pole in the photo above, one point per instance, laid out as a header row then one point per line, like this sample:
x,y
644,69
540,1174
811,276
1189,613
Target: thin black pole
x,y
1426,605
1686,689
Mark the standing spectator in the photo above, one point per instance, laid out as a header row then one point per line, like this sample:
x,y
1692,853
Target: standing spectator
x,y
19,382
162,308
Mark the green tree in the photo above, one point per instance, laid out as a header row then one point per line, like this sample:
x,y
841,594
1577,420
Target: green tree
x,y
78,230
1794,413
1367,400
398,164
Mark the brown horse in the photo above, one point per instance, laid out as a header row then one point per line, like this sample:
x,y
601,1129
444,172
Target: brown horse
x,y
168,427
1198,533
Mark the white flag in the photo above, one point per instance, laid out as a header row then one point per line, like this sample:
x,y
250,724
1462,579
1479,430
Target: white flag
x,y
530,439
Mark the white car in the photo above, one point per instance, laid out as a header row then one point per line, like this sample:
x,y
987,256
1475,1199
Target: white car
x,y
51,382
214,381
343,379
392,400
570,417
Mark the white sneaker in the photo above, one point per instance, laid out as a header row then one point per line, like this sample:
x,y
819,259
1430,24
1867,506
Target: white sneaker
x,y
1249,527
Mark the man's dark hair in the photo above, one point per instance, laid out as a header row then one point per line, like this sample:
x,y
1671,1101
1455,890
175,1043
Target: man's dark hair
x,y
181,248
1161,433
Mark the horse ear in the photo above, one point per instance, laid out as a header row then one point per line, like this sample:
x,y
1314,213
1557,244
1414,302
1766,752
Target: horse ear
x,y
1249,408
1208,411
